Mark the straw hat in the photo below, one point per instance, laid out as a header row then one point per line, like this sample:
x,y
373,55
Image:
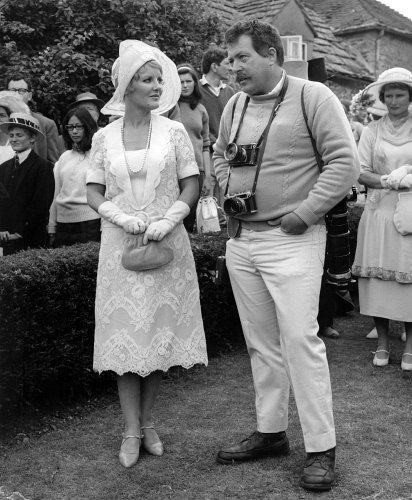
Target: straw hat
x,y
86,97
393,75
23,120
133,54
12,103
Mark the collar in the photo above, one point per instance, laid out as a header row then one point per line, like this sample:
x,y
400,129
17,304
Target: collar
x,y
276,91
215,90
23,155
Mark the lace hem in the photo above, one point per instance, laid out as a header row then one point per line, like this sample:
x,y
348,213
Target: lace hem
x,y
102,367
383,274
121,354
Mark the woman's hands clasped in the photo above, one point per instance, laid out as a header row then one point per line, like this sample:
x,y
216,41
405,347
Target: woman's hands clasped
x,y
133,225
400,178
157,231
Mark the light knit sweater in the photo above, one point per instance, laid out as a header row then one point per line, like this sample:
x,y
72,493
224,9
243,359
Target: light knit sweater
x,y
70,197
289,179
196,122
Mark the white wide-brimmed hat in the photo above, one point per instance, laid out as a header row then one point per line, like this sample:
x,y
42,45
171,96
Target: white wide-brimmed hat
x,y
12,103
392,75
23,120
133,54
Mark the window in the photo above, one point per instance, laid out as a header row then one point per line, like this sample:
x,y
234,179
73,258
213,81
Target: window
x,y
295,50
305,51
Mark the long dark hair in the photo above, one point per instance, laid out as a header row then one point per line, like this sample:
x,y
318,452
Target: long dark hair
x,y
195,97
90,128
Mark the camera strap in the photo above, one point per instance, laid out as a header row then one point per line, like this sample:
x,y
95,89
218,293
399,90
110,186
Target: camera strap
x,y
263,138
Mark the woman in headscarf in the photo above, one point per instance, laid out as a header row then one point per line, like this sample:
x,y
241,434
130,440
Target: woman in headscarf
x,y
383,259
143,178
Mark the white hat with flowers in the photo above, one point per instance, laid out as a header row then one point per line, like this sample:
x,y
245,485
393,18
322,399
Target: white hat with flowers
x,y
392,75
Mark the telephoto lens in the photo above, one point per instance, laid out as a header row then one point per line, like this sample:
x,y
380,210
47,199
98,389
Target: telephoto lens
x,y
338,246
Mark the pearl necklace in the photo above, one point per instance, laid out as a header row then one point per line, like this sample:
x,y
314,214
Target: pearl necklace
x,y
137,169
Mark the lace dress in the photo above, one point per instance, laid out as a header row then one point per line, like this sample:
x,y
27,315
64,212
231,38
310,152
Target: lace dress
x,y
383,259
151,320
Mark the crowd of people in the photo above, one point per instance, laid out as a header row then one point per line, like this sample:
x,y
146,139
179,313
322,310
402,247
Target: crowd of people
x,y
277,164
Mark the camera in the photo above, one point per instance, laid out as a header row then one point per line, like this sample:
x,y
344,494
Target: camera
x,y
242,203
238,155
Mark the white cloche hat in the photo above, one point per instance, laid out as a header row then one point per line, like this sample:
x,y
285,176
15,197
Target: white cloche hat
x,y
133,54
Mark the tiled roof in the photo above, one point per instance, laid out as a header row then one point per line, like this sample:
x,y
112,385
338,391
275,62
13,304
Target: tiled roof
x,y
346,15
260,9
228,13
340,57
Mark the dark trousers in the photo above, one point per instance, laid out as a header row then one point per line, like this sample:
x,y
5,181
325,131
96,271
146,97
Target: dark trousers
x,y
69,233
189,221
327,303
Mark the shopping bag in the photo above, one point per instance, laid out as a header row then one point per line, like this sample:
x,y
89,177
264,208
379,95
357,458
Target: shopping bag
x,y
207,219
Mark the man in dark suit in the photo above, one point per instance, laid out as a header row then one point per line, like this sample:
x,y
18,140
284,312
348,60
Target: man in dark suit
x,y
49,145
29,182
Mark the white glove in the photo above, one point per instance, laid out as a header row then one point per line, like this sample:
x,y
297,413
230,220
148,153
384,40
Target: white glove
x,y
129,223
384,182
158,230
395,177
406,182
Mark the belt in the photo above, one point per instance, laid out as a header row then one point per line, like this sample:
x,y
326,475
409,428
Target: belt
x,y
258,225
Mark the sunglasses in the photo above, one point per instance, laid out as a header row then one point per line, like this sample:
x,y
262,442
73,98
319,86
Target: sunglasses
x,y
74,127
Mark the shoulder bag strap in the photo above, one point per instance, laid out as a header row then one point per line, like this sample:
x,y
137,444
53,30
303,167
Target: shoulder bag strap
x,y
312,140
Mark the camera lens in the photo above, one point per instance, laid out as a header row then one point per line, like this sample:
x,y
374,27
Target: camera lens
x,y
235,153
231,151
233,206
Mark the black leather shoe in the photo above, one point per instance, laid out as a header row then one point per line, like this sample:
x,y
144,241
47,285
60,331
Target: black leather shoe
x,y
256,445
319,471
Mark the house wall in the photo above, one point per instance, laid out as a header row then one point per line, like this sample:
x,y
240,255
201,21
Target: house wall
x,y
382,50
394,51
291,21
365,43
346,88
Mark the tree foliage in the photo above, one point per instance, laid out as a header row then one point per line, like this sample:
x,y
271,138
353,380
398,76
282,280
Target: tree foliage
x,y
68,46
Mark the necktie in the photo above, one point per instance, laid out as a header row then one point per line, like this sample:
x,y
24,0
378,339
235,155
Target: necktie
x,y
16,162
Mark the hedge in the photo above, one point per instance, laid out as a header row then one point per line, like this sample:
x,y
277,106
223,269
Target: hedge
x,y
47,320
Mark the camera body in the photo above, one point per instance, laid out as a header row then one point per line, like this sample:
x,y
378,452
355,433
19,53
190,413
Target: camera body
x,y
239,204
241,155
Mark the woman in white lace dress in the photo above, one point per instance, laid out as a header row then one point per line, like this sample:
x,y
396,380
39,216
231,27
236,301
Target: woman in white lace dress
x,y
143,178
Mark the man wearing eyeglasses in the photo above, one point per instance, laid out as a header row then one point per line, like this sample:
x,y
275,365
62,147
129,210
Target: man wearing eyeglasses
x,y
49,145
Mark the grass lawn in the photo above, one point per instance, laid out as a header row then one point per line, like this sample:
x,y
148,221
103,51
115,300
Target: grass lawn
x,y
202,409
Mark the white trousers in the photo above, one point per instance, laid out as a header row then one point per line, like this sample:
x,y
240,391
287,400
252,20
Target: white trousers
x,y
276,281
